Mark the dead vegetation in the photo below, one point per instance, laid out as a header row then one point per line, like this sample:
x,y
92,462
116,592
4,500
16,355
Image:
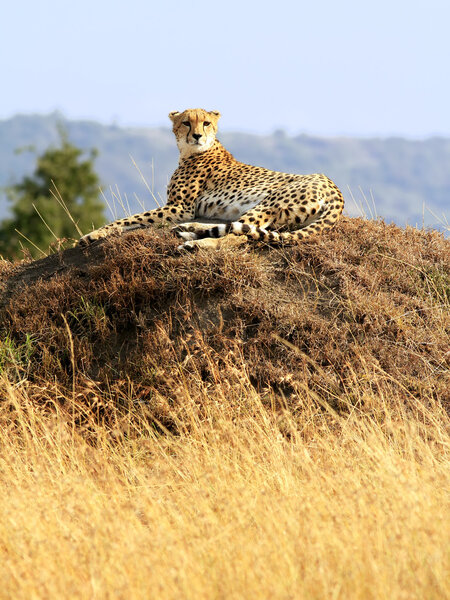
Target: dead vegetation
x,y
344,319
253,422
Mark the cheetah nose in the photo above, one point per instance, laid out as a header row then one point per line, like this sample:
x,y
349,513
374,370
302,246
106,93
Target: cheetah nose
x,y
196,136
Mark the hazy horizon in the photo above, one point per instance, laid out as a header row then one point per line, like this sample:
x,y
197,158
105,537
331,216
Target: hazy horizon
x,y
293,134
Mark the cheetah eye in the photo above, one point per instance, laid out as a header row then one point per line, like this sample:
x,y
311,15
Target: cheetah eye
x,y
186,123
206,123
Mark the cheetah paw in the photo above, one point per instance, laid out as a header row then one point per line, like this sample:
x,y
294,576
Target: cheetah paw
x,y
190,231
186,235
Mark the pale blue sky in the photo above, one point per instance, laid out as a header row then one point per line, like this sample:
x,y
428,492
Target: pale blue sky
x,y
325,67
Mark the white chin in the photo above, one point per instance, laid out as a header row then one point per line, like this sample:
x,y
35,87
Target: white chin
x,y
197,147
191,148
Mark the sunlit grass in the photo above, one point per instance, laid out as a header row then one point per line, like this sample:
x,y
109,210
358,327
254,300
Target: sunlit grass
x,y
259,506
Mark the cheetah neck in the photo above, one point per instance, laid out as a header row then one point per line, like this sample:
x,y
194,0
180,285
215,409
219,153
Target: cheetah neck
x,y
216,150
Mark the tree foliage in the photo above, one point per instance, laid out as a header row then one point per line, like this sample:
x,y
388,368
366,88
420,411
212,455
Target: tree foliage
x,y
55,204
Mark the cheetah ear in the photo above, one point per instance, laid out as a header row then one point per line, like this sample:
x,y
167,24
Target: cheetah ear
x,y
215,113
173,115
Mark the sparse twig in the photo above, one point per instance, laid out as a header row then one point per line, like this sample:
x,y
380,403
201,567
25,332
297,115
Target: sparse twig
x,y
45,222
56,194
145,181
30,242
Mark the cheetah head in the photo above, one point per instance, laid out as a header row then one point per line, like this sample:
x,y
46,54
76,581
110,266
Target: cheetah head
x,y
195,130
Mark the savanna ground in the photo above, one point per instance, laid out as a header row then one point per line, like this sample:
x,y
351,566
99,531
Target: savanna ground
x,y
248,423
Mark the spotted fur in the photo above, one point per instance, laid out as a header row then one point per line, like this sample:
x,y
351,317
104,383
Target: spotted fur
x,y
210,183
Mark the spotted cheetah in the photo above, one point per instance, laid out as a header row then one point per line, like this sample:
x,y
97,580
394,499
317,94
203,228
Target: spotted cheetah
x,y
210,183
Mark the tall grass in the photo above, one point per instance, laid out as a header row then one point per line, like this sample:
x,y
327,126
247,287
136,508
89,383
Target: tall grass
x,y
255,423
243,503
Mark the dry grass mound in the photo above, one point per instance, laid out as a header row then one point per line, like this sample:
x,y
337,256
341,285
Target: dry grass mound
x,y
344,320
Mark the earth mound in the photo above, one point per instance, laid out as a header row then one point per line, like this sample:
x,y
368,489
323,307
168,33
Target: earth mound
x,y
350,321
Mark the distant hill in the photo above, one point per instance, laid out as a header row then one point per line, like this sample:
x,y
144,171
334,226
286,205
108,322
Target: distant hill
x,y
401,175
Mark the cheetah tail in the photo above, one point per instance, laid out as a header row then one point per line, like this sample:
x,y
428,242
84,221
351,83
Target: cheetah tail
x,y
324,221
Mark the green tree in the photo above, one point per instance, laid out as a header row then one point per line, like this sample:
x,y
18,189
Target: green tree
x,y
60,200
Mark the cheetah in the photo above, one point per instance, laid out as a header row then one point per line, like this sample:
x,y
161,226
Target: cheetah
x,y
240,199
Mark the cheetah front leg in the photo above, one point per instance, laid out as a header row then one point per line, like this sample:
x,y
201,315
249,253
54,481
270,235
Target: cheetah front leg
x,y
166,215
228,241
194,233
208,235
196,229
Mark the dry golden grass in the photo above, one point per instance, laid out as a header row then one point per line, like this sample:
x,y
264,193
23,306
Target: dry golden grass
x,y
252,423
245,503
